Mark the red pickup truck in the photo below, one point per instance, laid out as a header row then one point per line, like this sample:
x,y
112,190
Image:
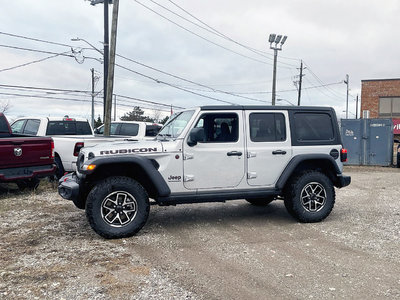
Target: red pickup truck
x,y
24,159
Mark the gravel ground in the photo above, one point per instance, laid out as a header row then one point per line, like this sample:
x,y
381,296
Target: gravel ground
x,y
227,250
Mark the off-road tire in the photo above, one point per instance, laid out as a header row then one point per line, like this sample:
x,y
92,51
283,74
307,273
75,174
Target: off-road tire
x,y
60,169
97,210
261,201
79,203
309,209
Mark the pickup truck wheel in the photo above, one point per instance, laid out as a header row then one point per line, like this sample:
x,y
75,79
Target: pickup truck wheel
x,y
310,197
261,201
31,184
60,169
117,207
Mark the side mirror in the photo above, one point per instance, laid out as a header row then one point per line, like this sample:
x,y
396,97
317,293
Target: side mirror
x,y
96,131
196,135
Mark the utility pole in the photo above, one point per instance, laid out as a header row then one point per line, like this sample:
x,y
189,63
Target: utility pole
x,y
300,81
115,107
92,70
357,107
110,77
275,39
347,96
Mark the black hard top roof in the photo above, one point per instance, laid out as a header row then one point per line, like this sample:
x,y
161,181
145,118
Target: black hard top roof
x,y
265,107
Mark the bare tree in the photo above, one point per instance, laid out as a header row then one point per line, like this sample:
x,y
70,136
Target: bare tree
x,y
5,106
157,115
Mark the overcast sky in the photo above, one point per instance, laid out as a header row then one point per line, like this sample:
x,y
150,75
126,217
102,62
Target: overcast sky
x,y
333,38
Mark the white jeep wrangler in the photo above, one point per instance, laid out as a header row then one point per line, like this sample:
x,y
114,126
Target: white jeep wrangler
x,y
213,153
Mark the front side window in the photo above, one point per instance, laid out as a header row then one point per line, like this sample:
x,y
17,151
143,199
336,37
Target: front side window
x,y
152,130
267,127
31,127
219,127
18,126
113,129
176,124
313,127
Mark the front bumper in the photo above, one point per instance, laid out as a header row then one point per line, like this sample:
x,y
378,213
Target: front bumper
x,y
343,181
68,186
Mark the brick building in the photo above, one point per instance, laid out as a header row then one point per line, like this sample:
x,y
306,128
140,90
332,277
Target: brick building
x,y
381,97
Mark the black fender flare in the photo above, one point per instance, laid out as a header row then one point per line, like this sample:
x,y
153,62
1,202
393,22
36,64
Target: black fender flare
x,y
295,161
145,163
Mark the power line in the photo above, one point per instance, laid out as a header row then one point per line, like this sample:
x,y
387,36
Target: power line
x,y
186,80
334,97
174,86
216,32
34,39
148,101
31,88
43,88
74,54
35,50
199,36
293,90
333,92
74,100
32,62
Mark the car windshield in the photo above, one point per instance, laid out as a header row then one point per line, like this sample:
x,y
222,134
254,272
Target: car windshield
x,y
176,124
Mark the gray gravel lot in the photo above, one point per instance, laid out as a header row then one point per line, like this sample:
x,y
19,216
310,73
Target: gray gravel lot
x,y
227,250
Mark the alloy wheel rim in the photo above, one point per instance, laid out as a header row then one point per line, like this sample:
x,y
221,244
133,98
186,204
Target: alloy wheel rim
x,y
313,197
119,209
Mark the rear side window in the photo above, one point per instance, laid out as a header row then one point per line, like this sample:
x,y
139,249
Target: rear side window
x,y
68,128
152,130
129,129
31,127
267,127
83,128
313,127
3,126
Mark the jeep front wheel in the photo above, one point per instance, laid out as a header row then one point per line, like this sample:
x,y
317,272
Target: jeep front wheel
x,y
310,197
117,207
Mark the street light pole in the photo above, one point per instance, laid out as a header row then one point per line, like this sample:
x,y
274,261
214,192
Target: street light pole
x,y
275,39
274,77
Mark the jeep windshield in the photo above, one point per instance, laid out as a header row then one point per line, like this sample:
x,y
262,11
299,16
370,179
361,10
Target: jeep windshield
x,y
176,124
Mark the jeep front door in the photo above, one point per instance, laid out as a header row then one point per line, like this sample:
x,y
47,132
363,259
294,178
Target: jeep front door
x,y
218,159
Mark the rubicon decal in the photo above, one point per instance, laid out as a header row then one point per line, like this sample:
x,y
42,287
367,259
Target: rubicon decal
x,y
126,151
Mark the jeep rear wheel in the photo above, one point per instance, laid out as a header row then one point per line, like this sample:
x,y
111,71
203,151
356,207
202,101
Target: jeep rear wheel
x,y
310,197
261,201
117,207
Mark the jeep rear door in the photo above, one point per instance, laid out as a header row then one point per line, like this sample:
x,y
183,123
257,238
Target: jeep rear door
x,y
218,161
268,146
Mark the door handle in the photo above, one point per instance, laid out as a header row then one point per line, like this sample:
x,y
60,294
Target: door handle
x,y
234,153
278,152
